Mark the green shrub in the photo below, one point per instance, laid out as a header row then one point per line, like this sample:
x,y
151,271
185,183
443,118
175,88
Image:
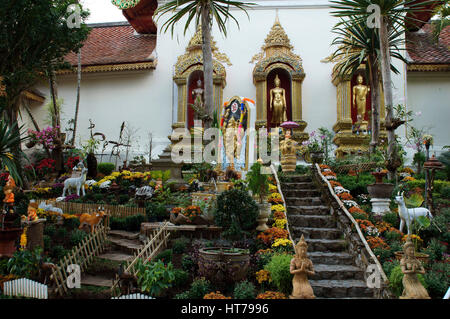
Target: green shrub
x,y
244,290
438,184
183,295
47,242
98,198
25,263
156,210
154,277
281,276
392,236
106,168
57,252
438,279
61,232
130,223
392,218
77,236
199,288
301,169
383,254
71,223
165,256
179,245
438,227
389,265
187,263
123,199
395,280
181,278
50,230
236,213
445,192
435,249
355,185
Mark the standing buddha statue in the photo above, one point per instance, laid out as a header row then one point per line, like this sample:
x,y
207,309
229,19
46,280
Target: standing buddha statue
x,y
360,92
278,103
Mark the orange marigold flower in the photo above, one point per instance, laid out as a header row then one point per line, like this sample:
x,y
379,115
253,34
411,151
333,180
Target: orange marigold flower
x,y
345,196
215,295
377,242
271,295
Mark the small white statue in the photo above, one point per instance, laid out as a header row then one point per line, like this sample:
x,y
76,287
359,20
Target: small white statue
x,y
76,182
50,208
408,215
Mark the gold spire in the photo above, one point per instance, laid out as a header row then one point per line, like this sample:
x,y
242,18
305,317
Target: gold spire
x,y
277,36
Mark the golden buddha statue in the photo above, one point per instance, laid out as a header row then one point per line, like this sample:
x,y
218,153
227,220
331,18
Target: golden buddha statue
x,y
413,288
360,92
278,103
301,267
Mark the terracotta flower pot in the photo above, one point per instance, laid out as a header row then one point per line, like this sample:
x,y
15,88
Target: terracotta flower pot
x,y
223,265
379,177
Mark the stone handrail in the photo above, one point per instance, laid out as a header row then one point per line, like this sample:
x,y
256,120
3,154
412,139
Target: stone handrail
x,y
274,172
358,229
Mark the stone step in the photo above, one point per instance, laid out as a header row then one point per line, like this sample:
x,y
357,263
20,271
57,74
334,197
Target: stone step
x,y
300,185
123,234
331,258
312,221
297,179
300,193
336,272
304,201
308,210
329,245
126,245
116,256
316,232
341,288
98,281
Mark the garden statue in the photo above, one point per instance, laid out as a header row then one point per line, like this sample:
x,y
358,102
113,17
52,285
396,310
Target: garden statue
x,y
233,126
93,220
360,92
32,211
412,287
301,267
76,182
288,152
197,94
278,104
9,196
408,215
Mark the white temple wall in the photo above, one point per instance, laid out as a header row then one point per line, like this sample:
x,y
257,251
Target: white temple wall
x,y
146,98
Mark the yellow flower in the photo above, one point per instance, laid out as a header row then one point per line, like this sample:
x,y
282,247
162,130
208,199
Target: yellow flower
x,y
272,188
262,276
282,242
278,208
280,223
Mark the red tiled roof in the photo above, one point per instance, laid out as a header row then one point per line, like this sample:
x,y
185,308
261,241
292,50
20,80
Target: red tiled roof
x,y
114,44
422,48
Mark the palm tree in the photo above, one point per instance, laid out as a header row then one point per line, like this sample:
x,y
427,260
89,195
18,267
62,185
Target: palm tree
x,y
10,140
392,13
204,12
443,19
77,105
357,44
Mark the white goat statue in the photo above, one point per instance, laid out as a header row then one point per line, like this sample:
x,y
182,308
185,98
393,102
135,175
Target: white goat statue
x,y
76,182
408,215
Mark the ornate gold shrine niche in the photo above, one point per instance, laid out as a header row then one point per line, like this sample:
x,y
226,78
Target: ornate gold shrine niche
x,y
188,72
276,60
347,138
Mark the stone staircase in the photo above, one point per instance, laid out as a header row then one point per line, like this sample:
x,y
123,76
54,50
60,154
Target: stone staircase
x,y
123,246
336,275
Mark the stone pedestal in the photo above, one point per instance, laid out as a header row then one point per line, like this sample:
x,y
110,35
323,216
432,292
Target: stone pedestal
x,y
165,162
264,213
380,206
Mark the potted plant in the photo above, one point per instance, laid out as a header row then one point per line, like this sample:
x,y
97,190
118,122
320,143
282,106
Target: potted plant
x,y
314,148
258,183
223,265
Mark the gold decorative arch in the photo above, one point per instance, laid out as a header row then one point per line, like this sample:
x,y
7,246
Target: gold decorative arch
x,y
191,61
276,53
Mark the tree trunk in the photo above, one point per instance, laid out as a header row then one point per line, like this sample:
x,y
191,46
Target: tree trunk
x,y
77,105
375,101
207,65
388,99
57,151
36,126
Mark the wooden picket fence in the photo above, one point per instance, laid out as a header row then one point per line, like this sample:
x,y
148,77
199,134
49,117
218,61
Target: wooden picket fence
x,y
157,241
24,287
133,296
82,255
112,210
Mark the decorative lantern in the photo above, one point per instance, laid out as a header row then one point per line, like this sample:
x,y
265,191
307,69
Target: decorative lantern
x,y
430,166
